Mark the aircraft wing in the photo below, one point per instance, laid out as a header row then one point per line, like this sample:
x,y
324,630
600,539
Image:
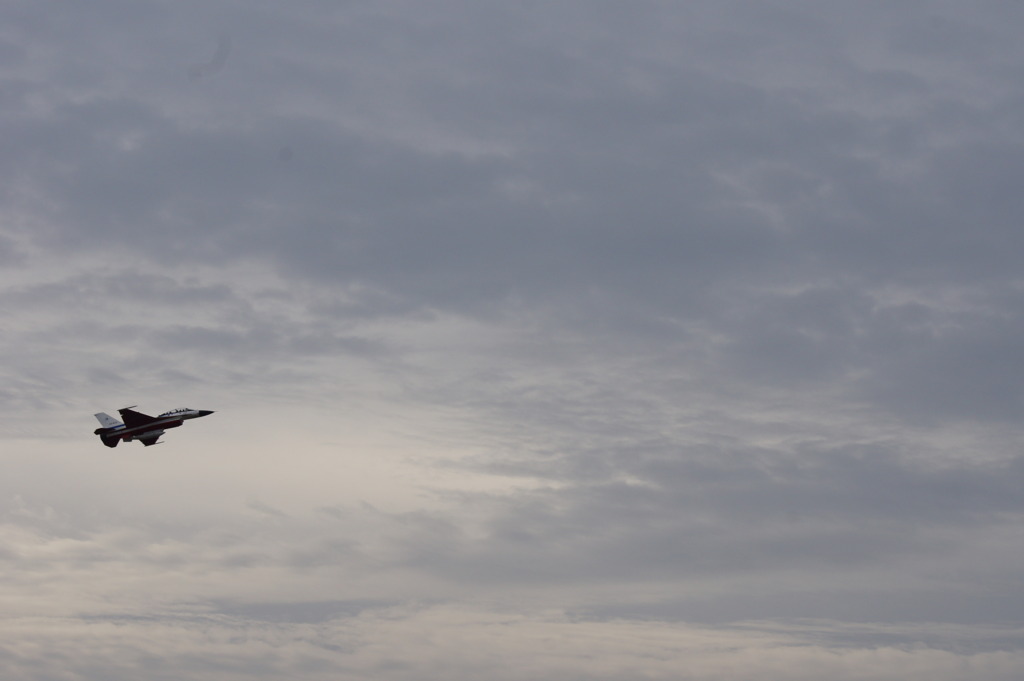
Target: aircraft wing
x,y
133,418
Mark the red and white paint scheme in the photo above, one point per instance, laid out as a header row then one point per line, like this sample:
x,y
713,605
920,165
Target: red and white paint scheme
x,y
142,427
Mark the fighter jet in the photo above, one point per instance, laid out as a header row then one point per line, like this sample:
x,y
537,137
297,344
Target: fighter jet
x,y
138,426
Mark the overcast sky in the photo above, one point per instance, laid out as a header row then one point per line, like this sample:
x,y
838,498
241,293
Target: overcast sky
x,y
585,340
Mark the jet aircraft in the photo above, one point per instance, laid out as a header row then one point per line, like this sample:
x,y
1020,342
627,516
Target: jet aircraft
x,y
142,427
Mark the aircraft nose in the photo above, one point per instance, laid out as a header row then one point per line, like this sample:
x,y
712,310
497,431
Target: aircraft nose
x,y
205,412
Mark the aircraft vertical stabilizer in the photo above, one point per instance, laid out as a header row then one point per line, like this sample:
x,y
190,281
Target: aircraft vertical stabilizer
x,y
107,421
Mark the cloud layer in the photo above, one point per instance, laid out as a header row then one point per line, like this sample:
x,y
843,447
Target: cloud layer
x,y
580,339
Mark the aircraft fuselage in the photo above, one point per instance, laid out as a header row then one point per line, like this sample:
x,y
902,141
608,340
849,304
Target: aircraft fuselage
x,y
142,427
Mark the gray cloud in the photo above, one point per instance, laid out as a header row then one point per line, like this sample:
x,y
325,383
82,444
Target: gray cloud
x,y
216,62
651,329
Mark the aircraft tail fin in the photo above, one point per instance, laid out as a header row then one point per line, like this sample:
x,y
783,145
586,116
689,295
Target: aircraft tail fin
x,y
107,421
